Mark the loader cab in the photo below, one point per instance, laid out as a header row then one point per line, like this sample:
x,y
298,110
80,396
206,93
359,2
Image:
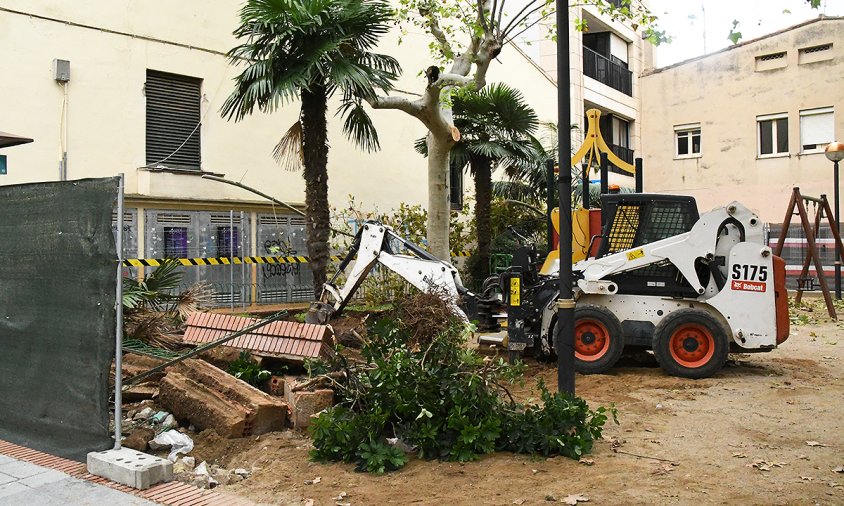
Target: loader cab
x,y
631,220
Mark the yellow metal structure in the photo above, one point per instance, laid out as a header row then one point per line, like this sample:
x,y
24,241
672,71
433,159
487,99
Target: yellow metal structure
x,y
594,144
580,238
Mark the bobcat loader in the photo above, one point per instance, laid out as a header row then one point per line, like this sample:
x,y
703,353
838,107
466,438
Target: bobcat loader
x,y
690,288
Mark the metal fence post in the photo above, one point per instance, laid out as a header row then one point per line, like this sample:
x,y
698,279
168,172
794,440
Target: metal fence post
x,y
231,259
242,255
118,303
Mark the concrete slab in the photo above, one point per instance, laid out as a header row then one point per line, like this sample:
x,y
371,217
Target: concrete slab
x,y
5,460
72,491
44,478
130,467
20,469
10,489
5,478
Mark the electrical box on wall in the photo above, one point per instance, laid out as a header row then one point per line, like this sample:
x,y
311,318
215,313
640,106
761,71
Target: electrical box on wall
x,y
61,70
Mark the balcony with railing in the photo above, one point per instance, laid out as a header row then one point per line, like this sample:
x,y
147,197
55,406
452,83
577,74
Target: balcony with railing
x,y
608,72
625,154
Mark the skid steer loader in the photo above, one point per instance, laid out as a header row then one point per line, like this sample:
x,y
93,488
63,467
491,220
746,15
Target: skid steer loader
x,y
691,288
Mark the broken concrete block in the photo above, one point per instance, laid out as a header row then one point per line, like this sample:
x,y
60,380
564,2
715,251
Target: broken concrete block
x,y
276,385
210,398
305,404
138,393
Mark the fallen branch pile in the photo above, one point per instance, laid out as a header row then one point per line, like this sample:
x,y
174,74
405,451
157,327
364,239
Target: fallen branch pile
x,y
422,391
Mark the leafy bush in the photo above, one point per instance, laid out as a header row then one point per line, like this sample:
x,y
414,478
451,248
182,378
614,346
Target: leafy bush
x,y
432,393
248,370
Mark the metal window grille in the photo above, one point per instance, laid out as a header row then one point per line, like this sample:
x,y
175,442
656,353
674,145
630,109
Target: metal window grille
x,y
175,242
817,49
228,241
772,56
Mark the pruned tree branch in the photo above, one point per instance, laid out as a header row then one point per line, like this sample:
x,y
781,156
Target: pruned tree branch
x,y
450,79
412,107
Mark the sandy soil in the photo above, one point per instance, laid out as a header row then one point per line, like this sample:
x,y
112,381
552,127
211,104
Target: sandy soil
x,y
678,442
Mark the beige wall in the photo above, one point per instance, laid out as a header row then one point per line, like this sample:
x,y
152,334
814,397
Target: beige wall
x,y
725,93
106,105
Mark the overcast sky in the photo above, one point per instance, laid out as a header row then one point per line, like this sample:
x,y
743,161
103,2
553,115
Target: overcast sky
x,y
685,21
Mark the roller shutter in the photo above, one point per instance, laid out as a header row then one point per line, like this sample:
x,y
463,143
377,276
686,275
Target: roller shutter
x,y
173,120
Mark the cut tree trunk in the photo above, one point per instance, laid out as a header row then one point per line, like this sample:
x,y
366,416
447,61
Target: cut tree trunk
x,y
439,208
317,214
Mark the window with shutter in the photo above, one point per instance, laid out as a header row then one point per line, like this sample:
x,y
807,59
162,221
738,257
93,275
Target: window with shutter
x,y
173,120
817,129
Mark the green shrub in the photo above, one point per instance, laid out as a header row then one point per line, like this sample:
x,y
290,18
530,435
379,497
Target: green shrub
x,y
429,392
248,370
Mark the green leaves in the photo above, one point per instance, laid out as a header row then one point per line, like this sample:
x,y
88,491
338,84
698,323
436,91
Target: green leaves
x,y
246,369
288,46
734,35
445,402
156,290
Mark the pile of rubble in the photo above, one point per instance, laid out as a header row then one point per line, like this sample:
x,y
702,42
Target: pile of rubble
x,y
193,396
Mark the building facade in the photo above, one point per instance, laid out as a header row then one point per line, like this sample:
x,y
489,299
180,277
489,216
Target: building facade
x,y
606,59
110,87
749,123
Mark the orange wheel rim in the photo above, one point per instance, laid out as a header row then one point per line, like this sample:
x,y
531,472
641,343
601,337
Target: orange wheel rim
x,y
692,345
591,340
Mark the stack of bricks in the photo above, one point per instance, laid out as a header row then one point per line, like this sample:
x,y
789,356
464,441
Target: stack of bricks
x,y
286,340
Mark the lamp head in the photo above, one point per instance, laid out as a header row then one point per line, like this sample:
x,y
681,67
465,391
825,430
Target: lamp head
x,y
835,151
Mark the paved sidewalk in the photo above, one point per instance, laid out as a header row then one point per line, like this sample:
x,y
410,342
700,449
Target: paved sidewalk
x,y
24,483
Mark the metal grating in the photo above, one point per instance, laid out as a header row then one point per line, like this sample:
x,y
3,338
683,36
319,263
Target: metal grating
x,y
817,49
173,218
773,56
225,219
173,120
272,220
624,226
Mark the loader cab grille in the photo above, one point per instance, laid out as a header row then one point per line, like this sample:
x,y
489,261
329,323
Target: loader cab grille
x,y
633,220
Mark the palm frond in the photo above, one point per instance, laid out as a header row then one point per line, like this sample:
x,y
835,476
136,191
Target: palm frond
x,y
288,152
358,126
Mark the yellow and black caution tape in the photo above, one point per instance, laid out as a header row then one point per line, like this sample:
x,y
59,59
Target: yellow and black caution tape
x,y
156,262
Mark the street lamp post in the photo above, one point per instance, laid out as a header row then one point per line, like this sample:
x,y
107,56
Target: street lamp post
x,y
564,329
835,153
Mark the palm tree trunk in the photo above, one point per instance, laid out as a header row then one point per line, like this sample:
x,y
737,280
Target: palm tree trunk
x,y
482,170
315,149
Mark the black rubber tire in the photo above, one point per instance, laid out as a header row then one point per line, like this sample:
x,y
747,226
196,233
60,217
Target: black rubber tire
x,y
586,313
696,324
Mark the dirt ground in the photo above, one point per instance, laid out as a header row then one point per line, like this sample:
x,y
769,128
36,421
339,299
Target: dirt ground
x,y
768,429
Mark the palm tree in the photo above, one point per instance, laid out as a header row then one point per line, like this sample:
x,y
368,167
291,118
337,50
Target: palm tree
x,y
308,51
496,127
